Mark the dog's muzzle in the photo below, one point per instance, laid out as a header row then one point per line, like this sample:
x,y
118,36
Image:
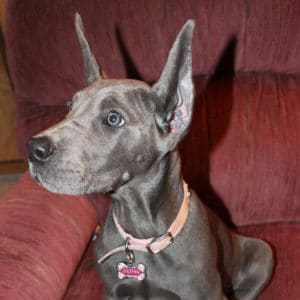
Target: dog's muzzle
x,y
40,149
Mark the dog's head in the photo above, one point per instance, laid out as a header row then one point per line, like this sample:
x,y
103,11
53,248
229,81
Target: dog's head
x,y
115,129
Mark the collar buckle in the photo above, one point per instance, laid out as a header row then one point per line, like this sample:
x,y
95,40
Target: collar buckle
x,y
160,243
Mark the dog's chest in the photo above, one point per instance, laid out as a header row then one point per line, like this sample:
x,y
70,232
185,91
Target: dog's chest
x,y
162,271
166,272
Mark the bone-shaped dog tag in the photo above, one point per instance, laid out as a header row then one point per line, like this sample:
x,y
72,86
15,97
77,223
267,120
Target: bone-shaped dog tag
x,y
130,270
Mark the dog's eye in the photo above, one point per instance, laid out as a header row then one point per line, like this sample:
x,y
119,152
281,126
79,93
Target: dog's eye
x,y
114,119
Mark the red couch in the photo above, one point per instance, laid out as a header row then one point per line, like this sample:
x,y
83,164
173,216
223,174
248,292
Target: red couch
x,y
242,153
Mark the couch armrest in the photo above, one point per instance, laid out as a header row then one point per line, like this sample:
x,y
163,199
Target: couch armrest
x,y
42,239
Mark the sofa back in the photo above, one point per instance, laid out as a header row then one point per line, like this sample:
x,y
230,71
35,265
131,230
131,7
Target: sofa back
x,y
241,153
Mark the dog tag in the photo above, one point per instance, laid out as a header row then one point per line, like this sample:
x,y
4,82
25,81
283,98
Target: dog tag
x,y
130,270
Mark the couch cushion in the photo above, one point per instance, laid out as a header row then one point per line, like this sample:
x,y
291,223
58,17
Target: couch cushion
x,y
42,238
242,152
43,52
284,239
86,283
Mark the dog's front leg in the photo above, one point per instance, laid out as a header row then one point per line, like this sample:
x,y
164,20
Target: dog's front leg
x,y
209,287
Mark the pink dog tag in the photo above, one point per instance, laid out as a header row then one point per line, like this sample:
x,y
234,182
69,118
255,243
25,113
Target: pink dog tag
x,y
130,270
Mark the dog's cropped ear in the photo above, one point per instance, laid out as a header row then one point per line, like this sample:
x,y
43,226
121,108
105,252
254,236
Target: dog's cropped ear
x,y
174,91
91,68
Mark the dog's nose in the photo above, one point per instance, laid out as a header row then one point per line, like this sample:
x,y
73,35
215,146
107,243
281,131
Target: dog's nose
x,y
40,149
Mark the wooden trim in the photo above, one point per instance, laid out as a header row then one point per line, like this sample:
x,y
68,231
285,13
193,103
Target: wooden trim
x,y
13,167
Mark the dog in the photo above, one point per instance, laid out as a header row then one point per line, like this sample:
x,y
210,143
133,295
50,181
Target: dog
x,y
159,241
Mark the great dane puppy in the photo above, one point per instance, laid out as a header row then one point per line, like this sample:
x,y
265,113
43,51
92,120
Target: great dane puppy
x,y
159,241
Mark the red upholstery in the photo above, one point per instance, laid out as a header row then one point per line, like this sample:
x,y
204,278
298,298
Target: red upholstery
x,y
241,154
42,237
250,149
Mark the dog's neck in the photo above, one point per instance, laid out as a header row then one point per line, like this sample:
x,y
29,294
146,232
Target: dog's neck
x,y
148,208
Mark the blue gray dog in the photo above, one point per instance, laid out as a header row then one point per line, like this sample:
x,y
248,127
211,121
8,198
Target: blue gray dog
x,y
159,240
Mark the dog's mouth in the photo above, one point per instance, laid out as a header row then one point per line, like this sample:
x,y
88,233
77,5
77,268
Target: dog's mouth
x,y
58,180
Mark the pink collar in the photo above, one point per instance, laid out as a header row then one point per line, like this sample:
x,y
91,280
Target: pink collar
x,y
153,245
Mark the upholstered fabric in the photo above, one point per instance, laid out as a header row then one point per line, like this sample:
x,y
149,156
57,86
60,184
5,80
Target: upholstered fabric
x,y
243,147
266,32
86,282
241,155
42,237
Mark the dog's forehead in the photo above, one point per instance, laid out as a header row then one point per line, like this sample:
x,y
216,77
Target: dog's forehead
x,y
103,88
113,93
